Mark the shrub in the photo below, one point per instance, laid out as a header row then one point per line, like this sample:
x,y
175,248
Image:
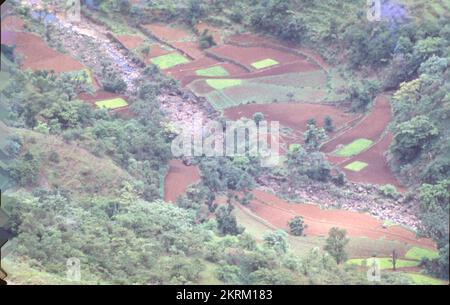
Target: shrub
x,y
297,226
389,191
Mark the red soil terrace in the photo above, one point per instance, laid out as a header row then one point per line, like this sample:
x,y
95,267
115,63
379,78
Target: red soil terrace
x,y
178,179
278,212
167,33
292,115
12,23
215,32
371,127
38,55
249,55
378,170
130,41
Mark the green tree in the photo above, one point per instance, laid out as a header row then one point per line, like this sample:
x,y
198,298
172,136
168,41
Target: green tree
x,y
206,40
226,221
297,226
314,137
335,244
412,136
277,241
328,124
258,117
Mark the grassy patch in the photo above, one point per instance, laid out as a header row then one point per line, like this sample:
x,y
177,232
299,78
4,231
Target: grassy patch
x,y
112,103
356,166
169,60
385,262
354,148
213,71
419,253
220,84
265,63
420,279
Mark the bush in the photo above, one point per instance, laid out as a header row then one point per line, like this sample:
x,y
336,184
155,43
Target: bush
x,y
297,226
54,157
206,40
389,191
328,124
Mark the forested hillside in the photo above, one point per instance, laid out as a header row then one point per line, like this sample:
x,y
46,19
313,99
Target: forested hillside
x,y
85,146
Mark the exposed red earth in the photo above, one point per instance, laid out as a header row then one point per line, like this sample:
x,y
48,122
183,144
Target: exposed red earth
x,y
155,51
12,23
37,55
235,71
253,40
249,55
167,33
186,73
293,115
178,179
215,32
191,48
378,170
278,212
371,127
130,41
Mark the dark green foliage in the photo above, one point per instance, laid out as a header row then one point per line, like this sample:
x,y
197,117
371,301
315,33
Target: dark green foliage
x,y
111,79
258,117
328,124
275,17
8,51
335,244
206,40
339,179
226,222
297,226
277,241
311,121
311,165
314,137
435,202
361,94
195,11
412,136
25,171
13,146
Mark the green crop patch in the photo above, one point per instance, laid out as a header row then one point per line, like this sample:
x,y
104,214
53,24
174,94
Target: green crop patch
x,y
420,279
265,63
419,253
354,148
112,103
356,166
213,71
385,262
169,60
220,84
